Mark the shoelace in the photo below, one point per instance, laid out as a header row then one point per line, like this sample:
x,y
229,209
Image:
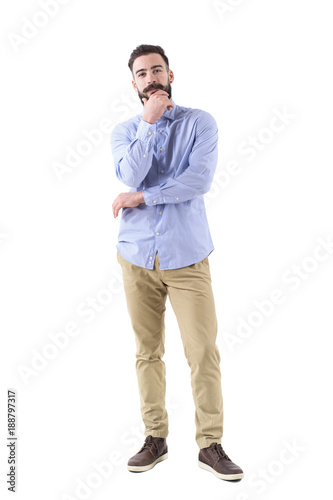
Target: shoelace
x,y
149,443
219,451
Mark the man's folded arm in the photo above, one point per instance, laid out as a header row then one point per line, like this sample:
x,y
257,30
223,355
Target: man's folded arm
x,y
133,158
198,175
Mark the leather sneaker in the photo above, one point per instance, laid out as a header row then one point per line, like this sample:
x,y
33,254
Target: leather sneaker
x,y
215,460
153,451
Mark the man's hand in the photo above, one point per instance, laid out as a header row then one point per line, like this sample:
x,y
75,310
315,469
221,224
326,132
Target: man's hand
x,y
156,105
127,200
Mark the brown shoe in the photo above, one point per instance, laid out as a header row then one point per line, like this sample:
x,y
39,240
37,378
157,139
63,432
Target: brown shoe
x,y
215,460
153,451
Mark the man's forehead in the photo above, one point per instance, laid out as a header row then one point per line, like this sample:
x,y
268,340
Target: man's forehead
x,y
147,61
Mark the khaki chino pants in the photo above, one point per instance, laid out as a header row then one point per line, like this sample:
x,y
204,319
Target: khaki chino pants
x,y
191,296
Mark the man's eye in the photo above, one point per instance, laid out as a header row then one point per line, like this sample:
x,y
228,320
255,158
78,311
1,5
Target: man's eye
x,y
157,70
141,74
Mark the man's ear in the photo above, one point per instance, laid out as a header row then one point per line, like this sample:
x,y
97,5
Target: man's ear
x,y
171,76
134,85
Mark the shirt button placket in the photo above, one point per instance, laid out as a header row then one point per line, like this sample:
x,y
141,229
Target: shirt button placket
x,y
162,170
162,149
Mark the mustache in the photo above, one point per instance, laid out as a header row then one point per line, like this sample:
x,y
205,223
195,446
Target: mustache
x,y
153,86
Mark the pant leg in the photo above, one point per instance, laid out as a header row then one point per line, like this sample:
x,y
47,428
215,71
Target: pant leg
x,y
146,296
192,300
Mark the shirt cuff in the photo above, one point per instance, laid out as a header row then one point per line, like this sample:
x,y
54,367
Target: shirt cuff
x,y
145,130
152,195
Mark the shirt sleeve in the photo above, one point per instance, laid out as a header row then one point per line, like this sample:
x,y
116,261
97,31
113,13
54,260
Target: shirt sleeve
x,y
133,158
196,179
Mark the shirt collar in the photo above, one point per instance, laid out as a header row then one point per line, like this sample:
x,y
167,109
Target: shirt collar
x,y
171,115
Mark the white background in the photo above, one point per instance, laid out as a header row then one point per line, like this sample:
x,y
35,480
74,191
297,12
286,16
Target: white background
x,y
80,409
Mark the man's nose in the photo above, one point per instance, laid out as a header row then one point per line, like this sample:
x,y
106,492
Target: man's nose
x,y
151,78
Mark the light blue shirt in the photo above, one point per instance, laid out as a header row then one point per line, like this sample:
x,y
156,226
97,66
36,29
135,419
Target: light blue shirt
x,y
173,162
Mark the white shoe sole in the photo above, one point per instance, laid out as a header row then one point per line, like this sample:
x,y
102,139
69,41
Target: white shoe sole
x,y
143,468
227,477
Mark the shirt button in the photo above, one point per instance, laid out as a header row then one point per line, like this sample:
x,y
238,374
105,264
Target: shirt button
x,y
162,171
149,133
150,258
157,234
160,213
154,201
177,198
154,132
161,149
161,130
144,156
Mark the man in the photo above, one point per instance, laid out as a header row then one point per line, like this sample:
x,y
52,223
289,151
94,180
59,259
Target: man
x,y
167,156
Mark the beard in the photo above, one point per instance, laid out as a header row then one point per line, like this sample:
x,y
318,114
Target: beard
x,y
166,88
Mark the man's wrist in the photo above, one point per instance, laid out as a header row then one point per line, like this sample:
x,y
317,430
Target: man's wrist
x,y
140,197
148,120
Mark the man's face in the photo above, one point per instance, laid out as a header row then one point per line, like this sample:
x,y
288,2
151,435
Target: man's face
x,y
151,74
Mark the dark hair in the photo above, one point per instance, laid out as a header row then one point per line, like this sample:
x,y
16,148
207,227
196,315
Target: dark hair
x,y
142,50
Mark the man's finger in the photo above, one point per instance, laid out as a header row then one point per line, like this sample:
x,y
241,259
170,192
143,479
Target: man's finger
x,y
114,209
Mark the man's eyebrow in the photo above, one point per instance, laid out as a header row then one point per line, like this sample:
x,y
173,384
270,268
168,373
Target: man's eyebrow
x,y
153,67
